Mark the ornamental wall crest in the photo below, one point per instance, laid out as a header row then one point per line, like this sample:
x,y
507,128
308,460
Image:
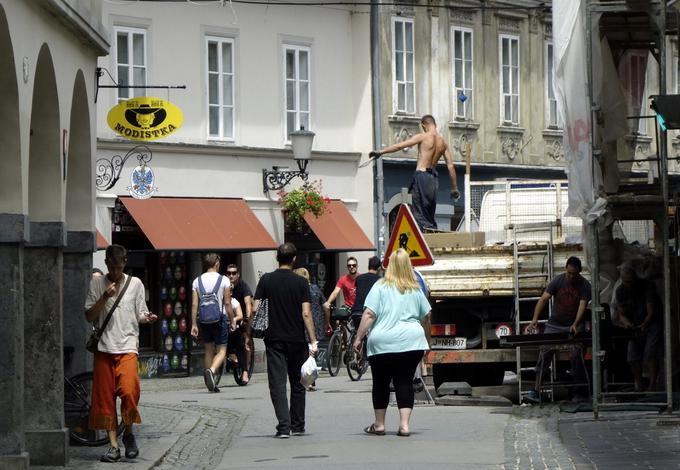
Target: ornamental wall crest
x,y
508,23
555,150
641,154
403,134
510,147
459,146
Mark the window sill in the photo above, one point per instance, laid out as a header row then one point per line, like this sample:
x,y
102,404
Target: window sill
x,y
464,124
553,132
506,129
404,118
218,141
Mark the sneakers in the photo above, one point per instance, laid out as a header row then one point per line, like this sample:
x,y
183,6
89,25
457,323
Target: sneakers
x,y
282,435
298,433
532,397
111,455
130,443
209,379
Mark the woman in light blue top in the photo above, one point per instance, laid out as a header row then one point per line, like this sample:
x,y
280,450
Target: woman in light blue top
x,y
397,314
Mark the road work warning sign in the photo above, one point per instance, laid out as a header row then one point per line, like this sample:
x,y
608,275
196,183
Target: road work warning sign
x,y
407,235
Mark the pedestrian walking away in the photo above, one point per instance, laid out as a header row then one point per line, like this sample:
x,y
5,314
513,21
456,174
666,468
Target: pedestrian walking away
x,y
212,314
398,317
346,284
115,362
571,293
290,315
431,148
241,291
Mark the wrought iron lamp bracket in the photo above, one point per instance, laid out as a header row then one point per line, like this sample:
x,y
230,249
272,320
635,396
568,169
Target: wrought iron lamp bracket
x,y
275,179
108,170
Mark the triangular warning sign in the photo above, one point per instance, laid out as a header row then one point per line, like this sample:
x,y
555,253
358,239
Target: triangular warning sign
x,y
407,235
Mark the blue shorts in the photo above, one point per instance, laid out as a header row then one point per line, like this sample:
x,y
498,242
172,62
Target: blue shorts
x,y
217,333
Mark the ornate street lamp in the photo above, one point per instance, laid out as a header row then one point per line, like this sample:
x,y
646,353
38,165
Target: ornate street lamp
x,y
278,177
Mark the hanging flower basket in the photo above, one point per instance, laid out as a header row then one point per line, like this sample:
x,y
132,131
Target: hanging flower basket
x,y
307,198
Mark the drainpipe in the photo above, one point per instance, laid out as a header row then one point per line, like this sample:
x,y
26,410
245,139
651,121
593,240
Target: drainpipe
x,y
378,187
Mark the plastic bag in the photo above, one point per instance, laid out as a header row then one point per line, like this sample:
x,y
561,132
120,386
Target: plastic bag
x,y
308,372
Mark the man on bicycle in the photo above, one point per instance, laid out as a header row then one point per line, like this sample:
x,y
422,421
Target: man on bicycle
x,y
364,283
239,338
347,284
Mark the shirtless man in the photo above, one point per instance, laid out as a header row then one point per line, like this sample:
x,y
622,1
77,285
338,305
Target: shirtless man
x,y
425,184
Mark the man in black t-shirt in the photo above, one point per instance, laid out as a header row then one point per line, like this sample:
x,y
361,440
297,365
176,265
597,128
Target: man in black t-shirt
x,y
364,283
571,293
290,314
239,342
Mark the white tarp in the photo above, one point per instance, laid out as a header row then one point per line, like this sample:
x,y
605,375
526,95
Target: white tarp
x,y
571,88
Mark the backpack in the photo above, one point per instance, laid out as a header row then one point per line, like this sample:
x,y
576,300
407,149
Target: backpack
x,y
209,308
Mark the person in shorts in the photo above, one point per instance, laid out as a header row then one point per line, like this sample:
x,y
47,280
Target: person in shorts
x,y
214,335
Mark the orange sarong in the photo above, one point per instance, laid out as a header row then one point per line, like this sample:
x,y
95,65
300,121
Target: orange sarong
x,y
115,375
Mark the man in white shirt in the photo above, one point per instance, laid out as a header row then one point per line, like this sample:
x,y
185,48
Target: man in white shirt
x,y
115,362
214,335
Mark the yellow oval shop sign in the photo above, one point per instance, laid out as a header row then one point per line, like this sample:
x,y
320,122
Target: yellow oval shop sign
x,y
144,118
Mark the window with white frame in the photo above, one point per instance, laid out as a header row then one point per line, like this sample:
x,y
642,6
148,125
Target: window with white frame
x,y
297,88
461,39
509,90
633,71
403,65
220,60
553,118
130,61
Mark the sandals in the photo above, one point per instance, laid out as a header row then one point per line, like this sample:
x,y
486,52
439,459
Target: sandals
x,y
401,433
371,430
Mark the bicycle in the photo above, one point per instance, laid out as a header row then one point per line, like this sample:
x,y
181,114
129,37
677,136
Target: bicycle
x,y
77,400
357,365
338,345
236,366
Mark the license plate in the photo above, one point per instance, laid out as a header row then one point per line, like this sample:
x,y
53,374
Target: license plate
x,y
449,343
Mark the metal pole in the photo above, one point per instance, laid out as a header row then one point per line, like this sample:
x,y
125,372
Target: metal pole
x,y
663,166
468,189
379,191
594,260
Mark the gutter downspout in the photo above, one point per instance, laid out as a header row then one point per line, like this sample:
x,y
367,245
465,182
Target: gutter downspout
x,y
378,187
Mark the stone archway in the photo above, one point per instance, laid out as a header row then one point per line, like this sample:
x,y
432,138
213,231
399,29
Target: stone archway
x,y
12,236
79,222
46,437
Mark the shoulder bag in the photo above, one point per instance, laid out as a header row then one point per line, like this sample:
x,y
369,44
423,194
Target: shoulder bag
x,y
260,321
93,341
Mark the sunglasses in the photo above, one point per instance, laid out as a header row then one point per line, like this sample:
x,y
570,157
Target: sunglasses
x,y
232,273
351,265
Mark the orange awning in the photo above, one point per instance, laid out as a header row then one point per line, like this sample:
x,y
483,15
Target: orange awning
x,y
337,230
102,244
199,224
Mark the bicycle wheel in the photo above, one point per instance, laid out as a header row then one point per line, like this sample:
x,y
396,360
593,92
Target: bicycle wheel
x,y
357,365
77,399
334,354
238,369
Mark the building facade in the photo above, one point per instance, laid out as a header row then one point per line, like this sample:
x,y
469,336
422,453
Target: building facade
x,y
253,74
48,54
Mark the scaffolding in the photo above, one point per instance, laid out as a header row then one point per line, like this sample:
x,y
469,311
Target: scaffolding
x,y
631,24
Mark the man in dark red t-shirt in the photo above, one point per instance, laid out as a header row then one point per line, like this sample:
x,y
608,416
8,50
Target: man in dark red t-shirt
x,y
347,284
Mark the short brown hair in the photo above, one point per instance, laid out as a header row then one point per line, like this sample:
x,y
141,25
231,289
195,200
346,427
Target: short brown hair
x,y
210,260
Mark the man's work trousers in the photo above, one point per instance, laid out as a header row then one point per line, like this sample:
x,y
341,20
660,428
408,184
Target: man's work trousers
x,y
423,190
286,359
115,375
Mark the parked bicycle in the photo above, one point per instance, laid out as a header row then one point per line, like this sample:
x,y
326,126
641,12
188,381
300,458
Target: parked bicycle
x,y
77,400
357,364
339,345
